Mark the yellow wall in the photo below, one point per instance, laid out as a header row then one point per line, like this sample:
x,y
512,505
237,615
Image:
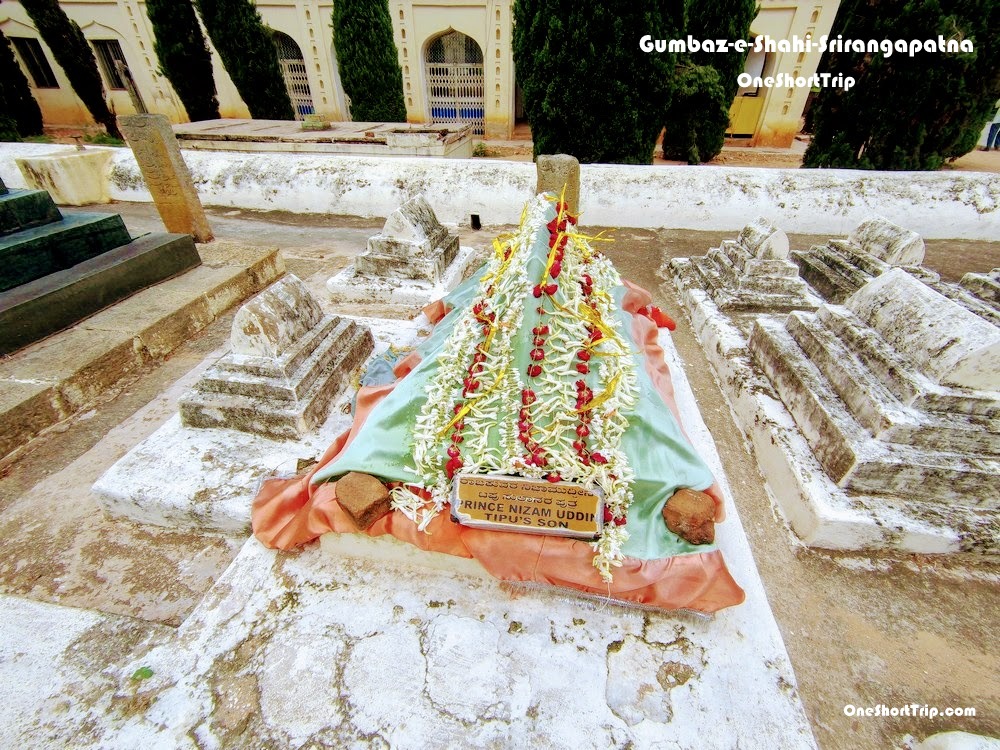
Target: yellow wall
x,y
416,23
781,110
776,113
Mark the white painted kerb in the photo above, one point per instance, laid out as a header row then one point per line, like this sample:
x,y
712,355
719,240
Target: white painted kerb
x,y
958,205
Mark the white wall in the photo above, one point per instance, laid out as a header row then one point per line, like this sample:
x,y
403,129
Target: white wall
x,y
959,205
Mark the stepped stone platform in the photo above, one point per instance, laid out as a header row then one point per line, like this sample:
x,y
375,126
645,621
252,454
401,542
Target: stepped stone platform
x,y
841,267
414,260
59,270
871,434
357,641
750,274
288,361
205,477
50,380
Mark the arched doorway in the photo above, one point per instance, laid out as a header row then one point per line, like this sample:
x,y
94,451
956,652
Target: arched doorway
x,y
748,106
454,65
293,70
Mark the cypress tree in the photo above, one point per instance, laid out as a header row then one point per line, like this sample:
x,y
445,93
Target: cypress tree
x,y
17,105
588,89
706,84
75,57
907,112
366,56
244,43
184,56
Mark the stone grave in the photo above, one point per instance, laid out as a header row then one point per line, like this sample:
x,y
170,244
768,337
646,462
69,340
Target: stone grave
x,y
849,411
59,270
751,274
287,363
278,397
361,638
840,267
413,261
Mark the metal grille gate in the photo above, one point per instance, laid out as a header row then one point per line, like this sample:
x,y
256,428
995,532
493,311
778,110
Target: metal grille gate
x,y
455,80
293,70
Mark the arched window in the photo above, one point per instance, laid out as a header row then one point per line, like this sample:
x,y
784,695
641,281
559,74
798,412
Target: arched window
x,y
293,70
454,64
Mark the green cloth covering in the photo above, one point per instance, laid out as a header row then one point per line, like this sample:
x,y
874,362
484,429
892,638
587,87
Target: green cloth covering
x,y
661,458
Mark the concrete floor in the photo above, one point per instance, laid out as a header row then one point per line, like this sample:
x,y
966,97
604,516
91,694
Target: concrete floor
x,y
859,630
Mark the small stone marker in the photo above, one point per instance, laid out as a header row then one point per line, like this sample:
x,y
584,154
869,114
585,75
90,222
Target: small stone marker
x,y
530,506
691,515
363,497
556,171
413,244
166,175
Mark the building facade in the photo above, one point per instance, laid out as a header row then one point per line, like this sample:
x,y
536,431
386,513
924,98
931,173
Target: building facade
x,y
456,58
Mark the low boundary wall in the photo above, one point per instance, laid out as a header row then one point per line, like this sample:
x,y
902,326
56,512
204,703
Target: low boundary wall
x,y
938,205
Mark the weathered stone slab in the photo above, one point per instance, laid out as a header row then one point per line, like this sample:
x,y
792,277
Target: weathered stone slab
x,y
287,364
985,286
948,343
888,242
557,172
73,178
165,174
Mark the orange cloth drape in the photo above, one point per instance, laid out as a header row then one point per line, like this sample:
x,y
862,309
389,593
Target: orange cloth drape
x,y
291,512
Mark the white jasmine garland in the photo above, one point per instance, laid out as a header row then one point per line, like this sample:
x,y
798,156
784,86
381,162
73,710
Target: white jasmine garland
x,y
554,416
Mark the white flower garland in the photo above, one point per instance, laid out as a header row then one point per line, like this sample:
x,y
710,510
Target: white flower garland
x,y
505,290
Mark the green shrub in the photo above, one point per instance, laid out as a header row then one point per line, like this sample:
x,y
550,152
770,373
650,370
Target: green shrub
x,y
16,102
589,91
244,43
184,56
366,56
706,82
912,113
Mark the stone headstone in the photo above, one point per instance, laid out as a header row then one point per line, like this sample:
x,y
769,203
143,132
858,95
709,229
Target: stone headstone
x,y
556,171
166,175
287,365
763,240
413,244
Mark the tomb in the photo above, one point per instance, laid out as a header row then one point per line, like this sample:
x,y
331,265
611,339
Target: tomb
x,y
413,261
274,400
287,363
871,434
531,376
840,267
751,274
59,270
